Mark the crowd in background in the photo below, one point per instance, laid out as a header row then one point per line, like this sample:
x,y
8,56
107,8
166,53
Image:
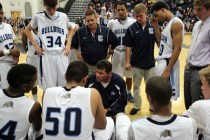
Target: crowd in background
x,y
180,8
106,11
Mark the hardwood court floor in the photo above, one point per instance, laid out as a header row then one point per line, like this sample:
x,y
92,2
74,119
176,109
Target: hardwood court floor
x,y
177,106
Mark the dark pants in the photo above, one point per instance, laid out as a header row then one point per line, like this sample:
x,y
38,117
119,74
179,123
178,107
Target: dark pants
x,y
192,87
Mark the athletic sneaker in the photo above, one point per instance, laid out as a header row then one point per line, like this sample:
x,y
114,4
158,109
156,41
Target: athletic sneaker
x,y
130,98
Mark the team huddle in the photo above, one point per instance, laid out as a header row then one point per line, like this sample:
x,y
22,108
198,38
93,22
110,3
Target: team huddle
x,y
85,96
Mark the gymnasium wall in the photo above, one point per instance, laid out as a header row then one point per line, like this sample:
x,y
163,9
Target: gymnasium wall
x,y
19,7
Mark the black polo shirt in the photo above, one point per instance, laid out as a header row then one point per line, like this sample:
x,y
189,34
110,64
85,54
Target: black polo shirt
x,y
94,47
142,42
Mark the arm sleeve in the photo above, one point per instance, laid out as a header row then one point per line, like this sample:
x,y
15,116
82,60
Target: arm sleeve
x,y
112,39
131,133
75,41
121,102
128,40
197,112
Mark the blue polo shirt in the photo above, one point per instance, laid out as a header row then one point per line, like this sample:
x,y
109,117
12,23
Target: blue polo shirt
x,y
142,42
94,47
114,96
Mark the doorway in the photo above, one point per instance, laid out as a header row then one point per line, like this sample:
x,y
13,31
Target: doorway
x,y
15,14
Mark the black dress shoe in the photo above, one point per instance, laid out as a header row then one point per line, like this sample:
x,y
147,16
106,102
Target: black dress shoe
x,y
150,110
134,111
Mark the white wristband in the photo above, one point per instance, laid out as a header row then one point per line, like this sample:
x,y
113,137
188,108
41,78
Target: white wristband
x,y
6,52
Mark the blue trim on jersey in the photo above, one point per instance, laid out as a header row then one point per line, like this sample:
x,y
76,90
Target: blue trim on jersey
x,y
41,69
48,16
69,89
163,123
17,96
172,80
93,137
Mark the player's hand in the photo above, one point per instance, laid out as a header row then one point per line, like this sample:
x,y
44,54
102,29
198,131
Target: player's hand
x,y
39,51
79,56
15,60
166,74
66,50
127,66
154,21
15,52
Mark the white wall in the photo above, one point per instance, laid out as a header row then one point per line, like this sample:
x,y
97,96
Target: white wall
x,y
19,5
37,6
63,3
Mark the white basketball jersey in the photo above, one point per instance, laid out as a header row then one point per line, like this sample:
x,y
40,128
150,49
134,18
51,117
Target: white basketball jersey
x,y
120,28
31,50
166,43
200,111
174,128
6,40
67,114
14,116
51,30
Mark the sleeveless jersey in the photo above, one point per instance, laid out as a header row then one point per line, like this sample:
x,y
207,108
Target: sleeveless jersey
x,y
166,43
14,116
200,111
120,28
51,30
6,40
176,128
30,48
67,114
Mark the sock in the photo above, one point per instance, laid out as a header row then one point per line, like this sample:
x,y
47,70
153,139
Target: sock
x,y
129,91
35,97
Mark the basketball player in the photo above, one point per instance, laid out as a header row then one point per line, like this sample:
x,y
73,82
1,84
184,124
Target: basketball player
x,y
53,27
163,124
74,111
32,57
169,42
17,112
200,110
7,49
119,27
75,27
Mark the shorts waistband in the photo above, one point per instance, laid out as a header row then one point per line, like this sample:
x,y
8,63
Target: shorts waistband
x,y
54,53
120,49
